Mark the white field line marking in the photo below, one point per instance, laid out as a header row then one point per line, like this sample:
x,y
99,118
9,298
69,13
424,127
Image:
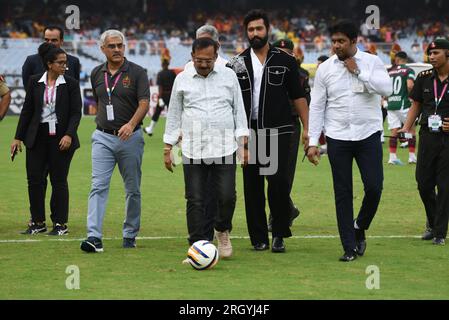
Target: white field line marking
x,y
232,237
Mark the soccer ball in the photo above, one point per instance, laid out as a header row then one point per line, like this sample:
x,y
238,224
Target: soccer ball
x,y
202,255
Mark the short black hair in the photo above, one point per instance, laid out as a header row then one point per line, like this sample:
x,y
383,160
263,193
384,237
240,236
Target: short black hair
x,y
401,55
346,27
203,43
49,53
322,58
52,27
256,14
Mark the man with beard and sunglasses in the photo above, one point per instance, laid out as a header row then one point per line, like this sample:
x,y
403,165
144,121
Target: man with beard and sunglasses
x,y
345,99
269,81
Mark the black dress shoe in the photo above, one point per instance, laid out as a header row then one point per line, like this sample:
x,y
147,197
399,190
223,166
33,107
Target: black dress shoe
x,y
294,214
427,235
260,246
348,256
278,245
360,247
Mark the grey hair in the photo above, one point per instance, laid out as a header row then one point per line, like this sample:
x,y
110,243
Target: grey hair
x,y
210,30
111,33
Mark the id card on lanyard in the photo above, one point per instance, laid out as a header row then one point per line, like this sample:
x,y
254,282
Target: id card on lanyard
x,y
50,104
109,106
434,121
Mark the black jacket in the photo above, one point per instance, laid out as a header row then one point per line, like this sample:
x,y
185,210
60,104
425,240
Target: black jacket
x,y
33,65
280,83
68,111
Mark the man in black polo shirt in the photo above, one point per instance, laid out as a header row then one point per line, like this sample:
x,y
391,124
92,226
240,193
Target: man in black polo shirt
x,y
122,94
269,80
430,97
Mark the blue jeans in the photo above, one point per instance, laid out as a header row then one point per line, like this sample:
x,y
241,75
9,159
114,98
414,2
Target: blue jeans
x,y
107,151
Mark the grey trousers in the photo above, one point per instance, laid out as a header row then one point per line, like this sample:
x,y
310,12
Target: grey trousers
x,y
107,151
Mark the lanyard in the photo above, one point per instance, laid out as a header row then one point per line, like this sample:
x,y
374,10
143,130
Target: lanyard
x,y
435,94
50,101
110,90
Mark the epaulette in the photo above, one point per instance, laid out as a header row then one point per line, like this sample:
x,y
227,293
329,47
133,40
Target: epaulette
x,y
425,73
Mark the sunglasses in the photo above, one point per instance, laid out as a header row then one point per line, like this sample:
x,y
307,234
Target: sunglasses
x,y
113,46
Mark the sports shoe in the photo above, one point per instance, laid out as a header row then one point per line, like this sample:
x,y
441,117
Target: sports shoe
x,y
348,256
34,228
439,241
129,243
92,244
148,131
59,230
397,162
224,243
412,159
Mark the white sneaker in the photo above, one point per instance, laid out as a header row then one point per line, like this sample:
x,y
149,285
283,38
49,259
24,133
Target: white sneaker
x,y
149,130
412,159
224,244
397,162
186,261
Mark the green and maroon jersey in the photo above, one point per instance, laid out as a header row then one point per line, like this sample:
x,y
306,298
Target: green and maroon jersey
x,y
399,99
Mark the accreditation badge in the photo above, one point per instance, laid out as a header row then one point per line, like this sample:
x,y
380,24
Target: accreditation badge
x,y
52,127
110,112
435,123
357,86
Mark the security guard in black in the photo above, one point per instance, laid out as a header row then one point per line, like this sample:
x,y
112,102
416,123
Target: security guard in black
x,y
430,97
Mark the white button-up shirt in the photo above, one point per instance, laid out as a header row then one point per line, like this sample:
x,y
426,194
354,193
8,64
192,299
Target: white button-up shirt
x,y
48,110
258,74
208,112
347,106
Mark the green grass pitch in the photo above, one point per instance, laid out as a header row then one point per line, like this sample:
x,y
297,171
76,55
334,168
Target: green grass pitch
x,y
409,268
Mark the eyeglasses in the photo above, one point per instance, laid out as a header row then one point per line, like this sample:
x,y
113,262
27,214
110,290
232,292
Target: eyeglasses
x,y
206,61
113,46
61,63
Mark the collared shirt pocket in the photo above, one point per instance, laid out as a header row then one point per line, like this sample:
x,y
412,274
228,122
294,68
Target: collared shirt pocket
x,y
244,81
276,75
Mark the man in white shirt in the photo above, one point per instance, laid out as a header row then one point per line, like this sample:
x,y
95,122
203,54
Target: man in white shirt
x,y
345,100
206,108
211,204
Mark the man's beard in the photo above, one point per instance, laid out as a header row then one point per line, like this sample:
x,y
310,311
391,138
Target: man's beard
x,y
258,43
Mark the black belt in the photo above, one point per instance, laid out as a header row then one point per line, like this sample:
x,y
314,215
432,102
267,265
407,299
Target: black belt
x,y
114,132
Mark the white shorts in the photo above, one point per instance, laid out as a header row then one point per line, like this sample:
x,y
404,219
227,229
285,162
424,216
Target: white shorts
x,y
396,118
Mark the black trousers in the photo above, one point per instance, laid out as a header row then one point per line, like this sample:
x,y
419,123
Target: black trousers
x,y
222,176
46,156
210,208
293,156
278,186
432,171
159,109
368,155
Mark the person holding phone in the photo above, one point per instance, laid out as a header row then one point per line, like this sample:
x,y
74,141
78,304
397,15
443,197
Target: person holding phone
x,y
48,127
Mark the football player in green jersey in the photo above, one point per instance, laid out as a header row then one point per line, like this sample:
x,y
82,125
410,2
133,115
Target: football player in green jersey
x,y
398,105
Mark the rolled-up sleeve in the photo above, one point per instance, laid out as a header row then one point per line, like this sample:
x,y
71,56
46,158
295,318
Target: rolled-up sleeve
x,y
241,124
173,124
376,78
317,107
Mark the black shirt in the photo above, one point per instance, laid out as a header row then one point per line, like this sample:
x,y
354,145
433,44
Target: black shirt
x,y
165,79
423,92
130,89
280,84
